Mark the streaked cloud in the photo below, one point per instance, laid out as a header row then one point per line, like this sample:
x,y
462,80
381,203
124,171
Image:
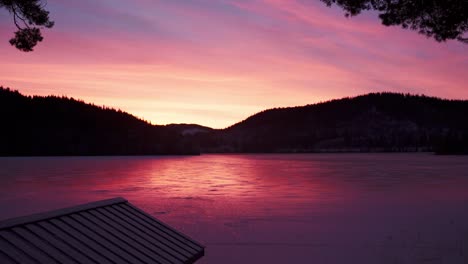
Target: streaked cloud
x,y
217,62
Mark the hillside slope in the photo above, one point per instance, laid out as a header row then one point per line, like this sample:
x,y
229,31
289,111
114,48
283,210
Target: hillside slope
x,y
372,122
64,126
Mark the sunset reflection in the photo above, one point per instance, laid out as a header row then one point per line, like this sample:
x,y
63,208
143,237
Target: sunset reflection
x,y
307,206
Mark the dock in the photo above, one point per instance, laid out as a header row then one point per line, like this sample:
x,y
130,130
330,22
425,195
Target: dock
x,y
107,231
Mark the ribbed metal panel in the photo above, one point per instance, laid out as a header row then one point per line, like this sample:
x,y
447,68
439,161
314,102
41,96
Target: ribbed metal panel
x,y
109,231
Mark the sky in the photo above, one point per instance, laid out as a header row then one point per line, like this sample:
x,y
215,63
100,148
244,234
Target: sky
x,y
216,62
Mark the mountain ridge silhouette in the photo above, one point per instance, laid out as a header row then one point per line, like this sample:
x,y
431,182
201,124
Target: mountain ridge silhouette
x,y
375,122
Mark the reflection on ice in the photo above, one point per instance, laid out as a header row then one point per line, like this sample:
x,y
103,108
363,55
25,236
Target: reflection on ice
x,y
372,208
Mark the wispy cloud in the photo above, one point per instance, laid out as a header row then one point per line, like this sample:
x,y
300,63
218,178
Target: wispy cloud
x,y
216,62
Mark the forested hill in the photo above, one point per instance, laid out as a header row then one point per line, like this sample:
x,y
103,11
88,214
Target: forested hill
x,y
64,126
373,122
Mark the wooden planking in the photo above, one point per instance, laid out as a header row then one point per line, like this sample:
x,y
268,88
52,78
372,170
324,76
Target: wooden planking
x,y
84,243
4,258
133,239
43,245
129,224
157,225
31,250
181,237
108,231
59,243
15,253
75,243
157,229
118,244
89,237
57,213
156,233
171,249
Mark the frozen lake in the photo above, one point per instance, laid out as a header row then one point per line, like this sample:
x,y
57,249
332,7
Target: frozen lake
x,y
304,208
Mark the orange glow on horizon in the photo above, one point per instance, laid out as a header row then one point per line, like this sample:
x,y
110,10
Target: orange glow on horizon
x,y
216,64
171,100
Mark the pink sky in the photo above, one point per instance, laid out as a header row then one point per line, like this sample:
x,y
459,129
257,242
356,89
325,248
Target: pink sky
x,y
217,62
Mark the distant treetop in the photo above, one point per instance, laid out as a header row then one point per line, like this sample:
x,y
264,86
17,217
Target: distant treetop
x,y
29,17
440,19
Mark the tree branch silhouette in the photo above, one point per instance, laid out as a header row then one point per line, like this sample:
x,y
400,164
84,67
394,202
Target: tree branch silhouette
x,y
33,16
439,19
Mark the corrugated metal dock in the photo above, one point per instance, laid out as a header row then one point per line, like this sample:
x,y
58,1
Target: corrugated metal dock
x,y
108,231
